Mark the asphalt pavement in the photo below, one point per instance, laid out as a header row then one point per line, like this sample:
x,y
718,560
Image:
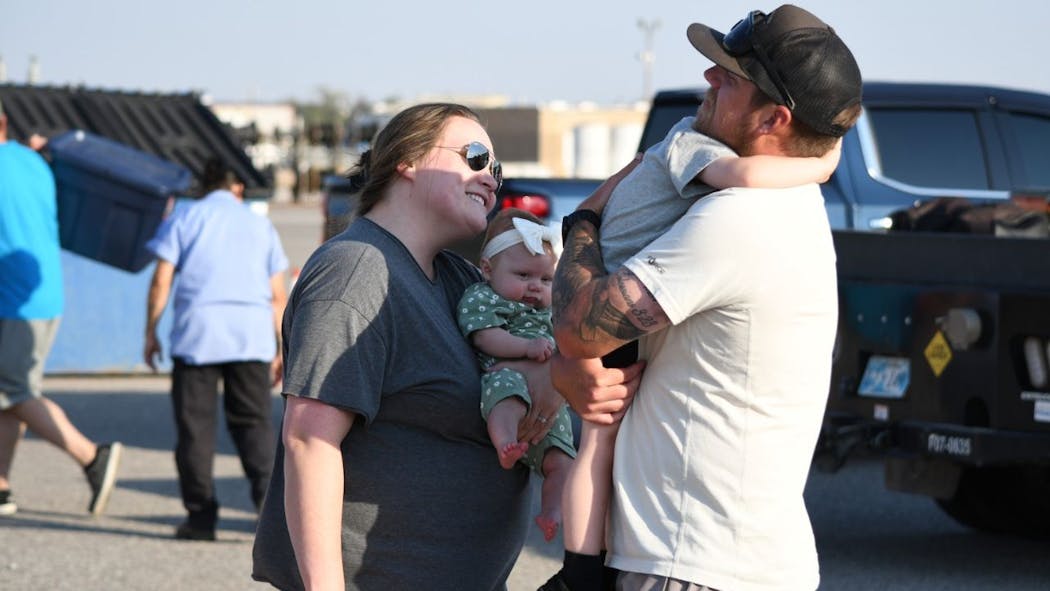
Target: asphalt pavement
x,y
52,543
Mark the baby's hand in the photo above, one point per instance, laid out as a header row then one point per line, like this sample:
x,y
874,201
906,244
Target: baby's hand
x,y
539,349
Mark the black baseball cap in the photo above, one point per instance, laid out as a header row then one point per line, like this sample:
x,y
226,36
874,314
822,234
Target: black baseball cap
x,y
793,57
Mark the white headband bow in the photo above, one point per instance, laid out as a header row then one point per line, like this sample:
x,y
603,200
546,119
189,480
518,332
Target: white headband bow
x,y
531,234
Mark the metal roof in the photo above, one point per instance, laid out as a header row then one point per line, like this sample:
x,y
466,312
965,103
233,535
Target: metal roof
x,y
176,127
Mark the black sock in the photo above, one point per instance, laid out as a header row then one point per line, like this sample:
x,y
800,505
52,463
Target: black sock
x,y
583,572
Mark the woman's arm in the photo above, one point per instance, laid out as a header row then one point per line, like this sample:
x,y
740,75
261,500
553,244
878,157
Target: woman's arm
x,y
313,496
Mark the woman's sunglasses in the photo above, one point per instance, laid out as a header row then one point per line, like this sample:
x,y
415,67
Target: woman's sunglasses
x,y
478,157
740,41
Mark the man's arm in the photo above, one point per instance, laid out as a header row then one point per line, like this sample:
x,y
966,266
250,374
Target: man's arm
x,y
598,394
159,288
594,312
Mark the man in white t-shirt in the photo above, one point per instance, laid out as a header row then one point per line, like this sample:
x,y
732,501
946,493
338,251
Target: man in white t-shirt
x,y
735,307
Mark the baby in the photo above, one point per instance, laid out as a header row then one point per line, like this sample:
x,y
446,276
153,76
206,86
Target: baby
x,y
508,317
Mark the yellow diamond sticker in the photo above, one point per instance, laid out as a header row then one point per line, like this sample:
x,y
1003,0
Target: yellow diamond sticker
x,y
938,353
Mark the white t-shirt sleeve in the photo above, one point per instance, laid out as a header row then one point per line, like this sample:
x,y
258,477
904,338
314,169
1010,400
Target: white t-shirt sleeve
x,y
701,261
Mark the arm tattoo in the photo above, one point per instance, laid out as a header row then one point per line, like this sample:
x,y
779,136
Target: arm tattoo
x,y
603,316
643,316
582,263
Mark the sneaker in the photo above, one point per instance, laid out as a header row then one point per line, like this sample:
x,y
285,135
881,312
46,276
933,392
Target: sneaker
x,y
7,505
102,475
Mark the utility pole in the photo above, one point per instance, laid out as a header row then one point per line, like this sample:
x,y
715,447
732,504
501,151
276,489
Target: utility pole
x,y
647,56
34,70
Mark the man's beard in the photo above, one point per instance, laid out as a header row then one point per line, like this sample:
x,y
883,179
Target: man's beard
x,y
736,136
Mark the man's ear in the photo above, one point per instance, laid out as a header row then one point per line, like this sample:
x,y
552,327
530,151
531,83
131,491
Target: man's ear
x,y
775,118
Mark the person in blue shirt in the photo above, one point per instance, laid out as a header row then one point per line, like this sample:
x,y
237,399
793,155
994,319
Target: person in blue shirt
x,y
228,304
31,301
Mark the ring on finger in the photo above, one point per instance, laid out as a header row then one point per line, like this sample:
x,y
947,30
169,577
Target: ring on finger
x,y
541,419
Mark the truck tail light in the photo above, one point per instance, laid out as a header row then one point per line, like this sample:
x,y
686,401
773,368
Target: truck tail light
x,y
962,326
537,205
1035,360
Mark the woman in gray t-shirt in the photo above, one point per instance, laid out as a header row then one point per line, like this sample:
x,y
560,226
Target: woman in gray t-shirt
x,y
384,475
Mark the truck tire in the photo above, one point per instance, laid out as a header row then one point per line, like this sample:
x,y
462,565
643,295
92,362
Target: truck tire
x,y
1003,499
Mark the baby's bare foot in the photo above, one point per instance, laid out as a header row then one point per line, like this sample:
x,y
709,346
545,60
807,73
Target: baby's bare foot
x,y
511,453
548,526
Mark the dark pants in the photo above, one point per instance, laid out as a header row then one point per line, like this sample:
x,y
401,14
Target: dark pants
x,y
246,395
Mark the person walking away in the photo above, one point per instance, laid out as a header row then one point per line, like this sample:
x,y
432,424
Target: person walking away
x,y
228,303
31,303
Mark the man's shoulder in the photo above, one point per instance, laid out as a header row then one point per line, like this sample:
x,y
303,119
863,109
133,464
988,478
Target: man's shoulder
x,y
726,208
24,156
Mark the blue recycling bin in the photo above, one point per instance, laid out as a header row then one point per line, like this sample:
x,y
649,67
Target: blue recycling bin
x,y
111,197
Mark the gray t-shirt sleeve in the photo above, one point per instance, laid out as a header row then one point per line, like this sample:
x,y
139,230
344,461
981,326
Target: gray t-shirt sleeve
x,y
689,152
337,356
335,342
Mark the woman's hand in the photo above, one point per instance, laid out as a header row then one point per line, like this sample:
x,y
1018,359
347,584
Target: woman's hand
x,y
598,394
546,402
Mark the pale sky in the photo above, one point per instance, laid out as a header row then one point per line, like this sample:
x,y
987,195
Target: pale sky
x,y
528,50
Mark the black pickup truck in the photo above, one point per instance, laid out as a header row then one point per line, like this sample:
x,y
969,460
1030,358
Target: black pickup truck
x,y
941,362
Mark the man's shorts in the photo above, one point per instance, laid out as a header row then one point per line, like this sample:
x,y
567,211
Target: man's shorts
x,y
628,581
24,345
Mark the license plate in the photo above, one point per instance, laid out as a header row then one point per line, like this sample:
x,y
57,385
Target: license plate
x,y
885,377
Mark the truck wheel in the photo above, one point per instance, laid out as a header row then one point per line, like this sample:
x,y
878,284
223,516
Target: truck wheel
x,y
1004,499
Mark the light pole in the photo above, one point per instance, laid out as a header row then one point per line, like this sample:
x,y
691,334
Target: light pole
x,y
647,56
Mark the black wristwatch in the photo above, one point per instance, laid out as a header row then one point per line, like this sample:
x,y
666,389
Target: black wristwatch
x,y
579,215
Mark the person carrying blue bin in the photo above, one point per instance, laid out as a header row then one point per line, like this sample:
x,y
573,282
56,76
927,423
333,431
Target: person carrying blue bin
x,y
31,301
228,305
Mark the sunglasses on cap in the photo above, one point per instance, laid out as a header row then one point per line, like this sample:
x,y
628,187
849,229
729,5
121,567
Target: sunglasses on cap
x,y
740,41
478,158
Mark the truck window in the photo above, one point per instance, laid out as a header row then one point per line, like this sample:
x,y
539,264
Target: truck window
x,y
1032,133
661,119
930,148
